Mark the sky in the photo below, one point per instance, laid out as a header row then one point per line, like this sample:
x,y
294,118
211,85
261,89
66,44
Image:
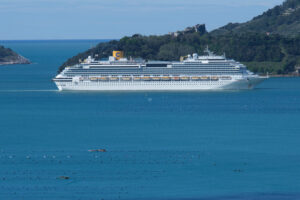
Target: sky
x,y
113,19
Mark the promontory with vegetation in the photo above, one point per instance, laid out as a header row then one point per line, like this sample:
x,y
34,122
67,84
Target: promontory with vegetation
x,y
269,43
8,57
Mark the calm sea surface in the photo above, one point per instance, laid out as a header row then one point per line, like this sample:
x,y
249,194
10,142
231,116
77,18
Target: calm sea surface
x,y
163,145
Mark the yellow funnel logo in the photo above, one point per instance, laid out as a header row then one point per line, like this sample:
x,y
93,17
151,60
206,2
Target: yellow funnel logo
x,y
118,54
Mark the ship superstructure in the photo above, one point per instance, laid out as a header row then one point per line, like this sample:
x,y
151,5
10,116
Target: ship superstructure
x,y
207,72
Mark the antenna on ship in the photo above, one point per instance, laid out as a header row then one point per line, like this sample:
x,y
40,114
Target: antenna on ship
x,y
206,50
210,53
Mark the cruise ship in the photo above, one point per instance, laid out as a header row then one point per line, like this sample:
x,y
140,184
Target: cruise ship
x,y
192,72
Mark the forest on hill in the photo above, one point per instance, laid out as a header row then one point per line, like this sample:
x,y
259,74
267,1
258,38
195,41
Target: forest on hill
x,y
282,20
8,56
264,49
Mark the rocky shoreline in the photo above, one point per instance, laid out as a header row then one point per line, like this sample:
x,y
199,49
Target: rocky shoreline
x,y
16,60
9,57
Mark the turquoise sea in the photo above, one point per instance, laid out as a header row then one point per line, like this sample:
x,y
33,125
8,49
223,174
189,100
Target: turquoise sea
x,y
163,145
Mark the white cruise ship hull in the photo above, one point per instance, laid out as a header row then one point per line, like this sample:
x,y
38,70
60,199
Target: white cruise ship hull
x,y
237,84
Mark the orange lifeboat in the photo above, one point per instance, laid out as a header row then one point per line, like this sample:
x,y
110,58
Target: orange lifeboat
x,y
175,78
166,78
104,78
185,78
146,78
114,79
136,78
156,78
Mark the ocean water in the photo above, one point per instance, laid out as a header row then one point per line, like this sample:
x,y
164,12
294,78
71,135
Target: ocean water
x,y
161,145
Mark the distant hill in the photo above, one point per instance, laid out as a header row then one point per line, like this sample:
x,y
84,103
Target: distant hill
x,y
283,20
268,43
8,56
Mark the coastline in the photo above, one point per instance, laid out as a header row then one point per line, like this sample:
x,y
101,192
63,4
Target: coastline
x,y
13,63
19,60
284,75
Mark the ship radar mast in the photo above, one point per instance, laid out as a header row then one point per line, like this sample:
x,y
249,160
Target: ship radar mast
x,y
208,52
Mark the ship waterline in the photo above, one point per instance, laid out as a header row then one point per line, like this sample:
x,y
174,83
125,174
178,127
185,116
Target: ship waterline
x,y
209,72
238,84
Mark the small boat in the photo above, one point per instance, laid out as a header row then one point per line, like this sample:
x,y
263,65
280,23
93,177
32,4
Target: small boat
x,y
175,78
126,78
184,78
195,78
204,78
156,78
136,78
63,177
214,78
146,78
104,78
93,78
166,78
97,150
114,78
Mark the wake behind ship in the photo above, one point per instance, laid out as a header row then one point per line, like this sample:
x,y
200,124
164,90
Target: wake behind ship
x,y
193,72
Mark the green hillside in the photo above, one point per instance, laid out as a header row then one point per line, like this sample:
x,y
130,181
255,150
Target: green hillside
x,y
262,52
283,20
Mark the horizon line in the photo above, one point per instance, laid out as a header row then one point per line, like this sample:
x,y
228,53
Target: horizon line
x,y
50,39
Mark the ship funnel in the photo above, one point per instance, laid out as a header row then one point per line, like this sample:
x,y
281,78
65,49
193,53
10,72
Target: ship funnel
x,y
118,54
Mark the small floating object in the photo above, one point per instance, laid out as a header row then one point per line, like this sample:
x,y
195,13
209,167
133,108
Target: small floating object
x,y
97,150
238,170
63,177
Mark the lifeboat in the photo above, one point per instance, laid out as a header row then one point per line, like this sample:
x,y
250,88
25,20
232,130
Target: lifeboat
x,y
166,78
146,78
104,78
176,78
126,78
114,78
93,78
156,78
184,78
214,78
136,78
204,78
195,78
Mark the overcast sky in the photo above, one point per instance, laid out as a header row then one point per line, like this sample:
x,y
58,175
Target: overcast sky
x,y
107,19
